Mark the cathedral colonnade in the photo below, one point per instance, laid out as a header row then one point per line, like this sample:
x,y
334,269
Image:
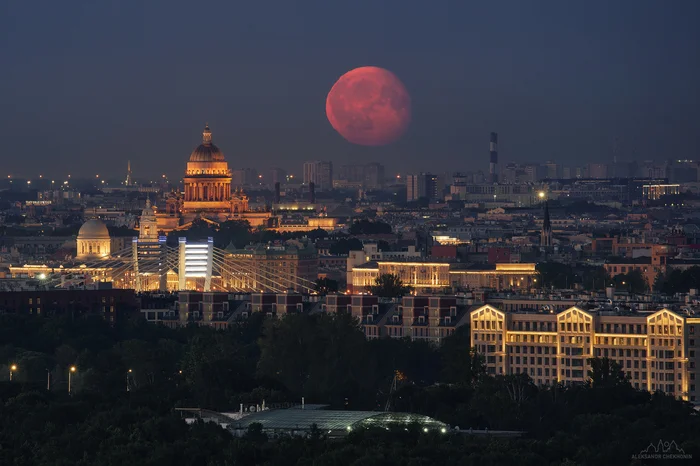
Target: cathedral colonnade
x,y
207,191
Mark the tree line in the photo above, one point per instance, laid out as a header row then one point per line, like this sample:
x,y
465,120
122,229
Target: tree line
x,y
130,377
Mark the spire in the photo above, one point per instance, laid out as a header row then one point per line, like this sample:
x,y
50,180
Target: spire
x,y
206,135
546,240
128,181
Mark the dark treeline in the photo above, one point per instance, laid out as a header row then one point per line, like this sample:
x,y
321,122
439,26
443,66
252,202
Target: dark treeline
x,y
324,358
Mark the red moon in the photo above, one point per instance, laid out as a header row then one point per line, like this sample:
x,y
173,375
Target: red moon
x,y
369,106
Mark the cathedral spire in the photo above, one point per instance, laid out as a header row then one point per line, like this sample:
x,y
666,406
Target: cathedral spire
x,y
206,135
546,239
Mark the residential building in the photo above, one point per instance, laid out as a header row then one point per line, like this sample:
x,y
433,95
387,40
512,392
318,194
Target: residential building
x,y
110,304
656,350
278,267
320,173
423,186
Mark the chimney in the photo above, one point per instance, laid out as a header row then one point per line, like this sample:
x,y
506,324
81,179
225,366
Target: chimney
x,y
277,193
312,192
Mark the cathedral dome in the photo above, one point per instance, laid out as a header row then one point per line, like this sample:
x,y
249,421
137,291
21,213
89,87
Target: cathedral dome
x,y
207,151
93,229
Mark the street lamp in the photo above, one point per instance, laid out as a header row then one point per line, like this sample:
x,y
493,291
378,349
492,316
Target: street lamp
x,y
13,368
70,372
128,389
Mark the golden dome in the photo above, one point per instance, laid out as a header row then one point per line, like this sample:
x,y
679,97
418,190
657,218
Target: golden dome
x,y
207,151
93,229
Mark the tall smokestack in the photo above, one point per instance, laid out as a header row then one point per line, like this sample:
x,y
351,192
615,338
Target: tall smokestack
x,y
493,161
277,193
312,192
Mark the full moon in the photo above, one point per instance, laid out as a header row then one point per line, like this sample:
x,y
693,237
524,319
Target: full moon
x,y
369,106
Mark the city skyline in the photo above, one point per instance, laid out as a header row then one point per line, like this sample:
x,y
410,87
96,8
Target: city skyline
x,y
563,82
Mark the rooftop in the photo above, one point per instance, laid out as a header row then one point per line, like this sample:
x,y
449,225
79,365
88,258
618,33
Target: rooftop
x,y
328,420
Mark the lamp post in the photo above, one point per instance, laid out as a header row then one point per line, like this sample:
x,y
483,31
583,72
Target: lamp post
x,y
70,372
13,368
128,388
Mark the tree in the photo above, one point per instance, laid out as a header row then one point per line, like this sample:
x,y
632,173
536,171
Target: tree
x,y
555,274
344,245
605,372
389,286
368,227
460,363
594,278
326,285
633,281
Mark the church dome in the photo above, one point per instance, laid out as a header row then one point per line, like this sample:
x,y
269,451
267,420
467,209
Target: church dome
x,y
207,151
93,229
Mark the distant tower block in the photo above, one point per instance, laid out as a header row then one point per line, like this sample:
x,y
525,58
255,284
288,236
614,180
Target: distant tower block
x,y
278,195
312,193
493,160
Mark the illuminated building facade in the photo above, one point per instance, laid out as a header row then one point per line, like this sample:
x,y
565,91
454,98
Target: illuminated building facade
x,y
656,351
655,191
208,192
426,276
277,267
93,240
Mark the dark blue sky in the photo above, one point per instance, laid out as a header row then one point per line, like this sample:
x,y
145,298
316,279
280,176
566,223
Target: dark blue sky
x,y
86,85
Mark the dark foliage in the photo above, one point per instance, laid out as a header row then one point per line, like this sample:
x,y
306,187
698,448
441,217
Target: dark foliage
x,y
369,227
323,358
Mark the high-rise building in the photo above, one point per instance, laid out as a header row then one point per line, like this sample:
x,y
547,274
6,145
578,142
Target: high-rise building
x,y
320,173
423,186
274,175
374,176
597,170
552,170
369,176
244,177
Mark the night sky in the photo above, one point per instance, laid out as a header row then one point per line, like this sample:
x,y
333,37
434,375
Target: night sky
x,y
86,85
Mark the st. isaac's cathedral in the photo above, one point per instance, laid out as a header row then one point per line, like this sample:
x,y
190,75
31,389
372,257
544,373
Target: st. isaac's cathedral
x,y
207,193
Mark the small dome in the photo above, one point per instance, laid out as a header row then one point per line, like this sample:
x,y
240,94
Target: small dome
x,y
207,151
93,229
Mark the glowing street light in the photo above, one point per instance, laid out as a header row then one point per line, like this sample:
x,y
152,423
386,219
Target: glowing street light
x,y
541,194
71,370
128,389
13,368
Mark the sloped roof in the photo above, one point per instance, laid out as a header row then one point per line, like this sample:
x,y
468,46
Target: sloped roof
x,y
303,419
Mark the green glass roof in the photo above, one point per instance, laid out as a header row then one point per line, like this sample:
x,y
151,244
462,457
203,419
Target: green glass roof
x,y
301,419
